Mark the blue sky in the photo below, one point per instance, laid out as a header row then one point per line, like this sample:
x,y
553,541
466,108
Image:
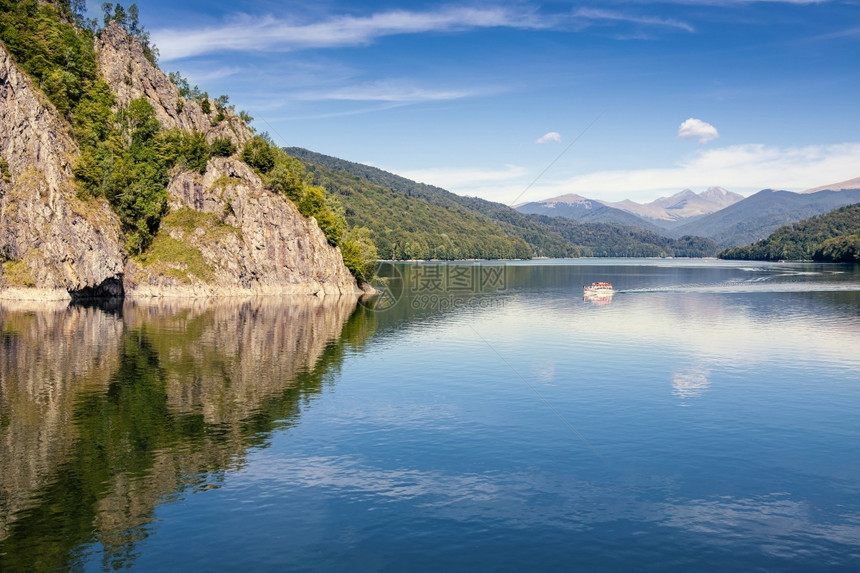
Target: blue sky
x,y
624,99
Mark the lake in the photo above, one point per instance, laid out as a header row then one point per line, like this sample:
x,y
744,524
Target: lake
x,y
474,416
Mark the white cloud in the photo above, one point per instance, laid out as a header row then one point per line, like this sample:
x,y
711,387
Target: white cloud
x,y
593,14
547,137
215,74
254,33
458,179
389,91
696,128
740,168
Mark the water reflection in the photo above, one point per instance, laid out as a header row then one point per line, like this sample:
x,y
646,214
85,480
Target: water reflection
x,y
433,451
105,415
690,383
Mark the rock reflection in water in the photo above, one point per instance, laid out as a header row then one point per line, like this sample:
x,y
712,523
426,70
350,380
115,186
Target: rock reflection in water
x,y
105,415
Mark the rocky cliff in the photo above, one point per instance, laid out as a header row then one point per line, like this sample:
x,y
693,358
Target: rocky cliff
x,y
130,74
52,245
225,234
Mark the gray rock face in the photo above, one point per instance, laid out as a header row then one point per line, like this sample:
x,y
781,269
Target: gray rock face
x,y
130,75
250,240
226,235
52,245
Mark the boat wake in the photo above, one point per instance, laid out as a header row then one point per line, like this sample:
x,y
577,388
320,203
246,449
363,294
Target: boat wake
x,y
763,285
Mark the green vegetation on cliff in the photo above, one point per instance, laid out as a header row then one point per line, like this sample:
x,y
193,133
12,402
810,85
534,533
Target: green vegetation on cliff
x,y
51,48
127,156
124,153
833,237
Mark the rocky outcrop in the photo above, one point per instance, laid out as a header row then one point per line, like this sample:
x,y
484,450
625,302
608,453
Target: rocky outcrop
x,y
130,74
226,234
52,245
232,237
236,237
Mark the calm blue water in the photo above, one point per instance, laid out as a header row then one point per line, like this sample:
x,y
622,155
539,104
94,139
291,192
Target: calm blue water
x,y
707,417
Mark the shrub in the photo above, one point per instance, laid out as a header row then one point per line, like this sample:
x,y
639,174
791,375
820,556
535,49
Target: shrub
x,y
359,253
222,147
258,153
288,177
187,150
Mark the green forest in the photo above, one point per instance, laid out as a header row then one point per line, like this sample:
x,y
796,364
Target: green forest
x,y
410,227
832,237
444,225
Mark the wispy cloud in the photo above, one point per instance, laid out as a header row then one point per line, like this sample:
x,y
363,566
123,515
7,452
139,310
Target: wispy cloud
x,y
254,33
547,137
594,14
214,74
464,178
738,2
697,129
390,91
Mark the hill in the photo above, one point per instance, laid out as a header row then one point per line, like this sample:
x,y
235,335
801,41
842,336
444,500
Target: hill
x,y
407,226
379,211
377,199
608,240
841,186
834,236
760,214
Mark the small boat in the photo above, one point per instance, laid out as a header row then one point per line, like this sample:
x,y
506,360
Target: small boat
x,y
598,289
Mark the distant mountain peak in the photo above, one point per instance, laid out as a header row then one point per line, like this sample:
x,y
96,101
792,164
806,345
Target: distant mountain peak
x,y
682,205
842,186
566,198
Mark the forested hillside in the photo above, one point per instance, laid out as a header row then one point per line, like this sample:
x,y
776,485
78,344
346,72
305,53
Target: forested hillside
x,y
608,240
409,212
834,237
408,227
757,216
379,200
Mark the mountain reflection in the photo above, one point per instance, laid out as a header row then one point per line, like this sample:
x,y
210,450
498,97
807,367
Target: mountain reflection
x,y
106,415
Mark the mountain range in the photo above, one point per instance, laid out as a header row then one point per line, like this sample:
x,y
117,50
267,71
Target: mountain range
x,y
658,215
718,214
681,207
